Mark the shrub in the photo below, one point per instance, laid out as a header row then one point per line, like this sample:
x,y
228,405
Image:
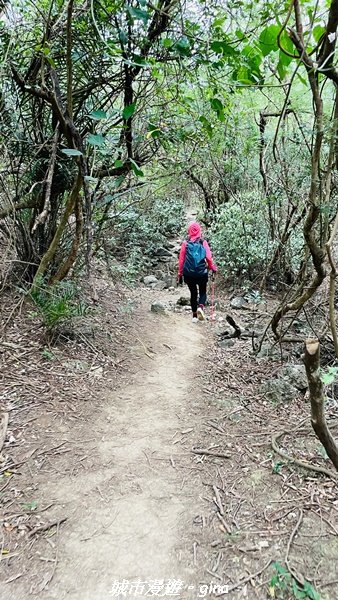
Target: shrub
x,y
58,302
239,237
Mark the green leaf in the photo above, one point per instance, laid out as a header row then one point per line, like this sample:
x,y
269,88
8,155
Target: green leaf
x,y
118,163
310,591
138,60
123,37
288,46
222,47
136,168
302,79
154,131
138,14
218,107
95,139
219,22
183,47
71,152
317,32
167,43
328,377
128,111
30,505
206,125
268,39
281,70
97,115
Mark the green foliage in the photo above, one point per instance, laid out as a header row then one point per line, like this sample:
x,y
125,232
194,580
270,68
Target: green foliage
x,y
57,302
329,376
95,139
47,354
283,584
239,237
143,229
128,111
30,505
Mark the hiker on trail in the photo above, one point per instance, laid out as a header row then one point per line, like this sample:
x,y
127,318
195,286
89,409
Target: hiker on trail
x,y
194,261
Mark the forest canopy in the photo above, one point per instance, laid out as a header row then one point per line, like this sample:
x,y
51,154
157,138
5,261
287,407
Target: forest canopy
x,y
110,109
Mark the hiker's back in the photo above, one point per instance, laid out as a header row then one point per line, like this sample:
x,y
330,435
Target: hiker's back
x,y
195,258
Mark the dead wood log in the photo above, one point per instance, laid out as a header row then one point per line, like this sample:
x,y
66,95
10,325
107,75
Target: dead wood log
x,y
232,322
317,399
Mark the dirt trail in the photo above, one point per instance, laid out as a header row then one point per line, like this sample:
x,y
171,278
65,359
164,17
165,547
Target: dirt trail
x,y
128,514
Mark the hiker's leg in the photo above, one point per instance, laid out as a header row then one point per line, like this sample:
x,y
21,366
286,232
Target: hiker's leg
x,y
192,285
202,287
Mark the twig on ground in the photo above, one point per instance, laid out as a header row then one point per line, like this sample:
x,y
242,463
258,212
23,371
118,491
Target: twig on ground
x,y
218,500
43,528
195,553
202,451
300,463
6,484
146,350
18,464
50,577
214,574
230,588
14,578
297,576
217,561
224,523
3,428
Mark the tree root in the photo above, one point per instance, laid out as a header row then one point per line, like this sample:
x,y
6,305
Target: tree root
x,y
296,461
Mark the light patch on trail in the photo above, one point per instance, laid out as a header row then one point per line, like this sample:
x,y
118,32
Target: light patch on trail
x,y
130,516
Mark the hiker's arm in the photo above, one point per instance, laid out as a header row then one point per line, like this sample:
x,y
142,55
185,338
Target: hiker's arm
x,y
211,264
181,258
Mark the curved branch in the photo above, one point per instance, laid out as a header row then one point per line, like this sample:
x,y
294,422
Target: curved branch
x,y
296,461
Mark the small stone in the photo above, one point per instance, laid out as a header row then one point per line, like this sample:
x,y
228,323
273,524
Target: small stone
x,y
149,279
268,351
238,302
169,280
159,285
75,327
183,301
296,376
171,289
226,343
278,390
157,307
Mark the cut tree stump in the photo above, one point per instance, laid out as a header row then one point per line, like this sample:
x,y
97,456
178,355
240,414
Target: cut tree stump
x,y
317,399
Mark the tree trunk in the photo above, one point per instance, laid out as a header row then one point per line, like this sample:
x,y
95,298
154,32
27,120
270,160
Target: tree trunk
x,y
69,208
317,398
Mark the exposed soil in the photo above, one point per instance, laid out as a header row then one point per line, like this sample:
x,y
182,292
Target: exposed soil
x,y
155,447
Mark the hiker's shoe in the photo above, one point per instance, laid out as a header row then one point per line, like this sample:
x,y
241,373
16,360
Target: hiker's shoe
x,y
200,314
195,320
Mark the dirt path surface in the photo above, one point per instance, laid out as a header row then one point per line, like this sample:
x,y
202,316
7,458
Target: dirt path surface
x,y
128,508
132,529
102,493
